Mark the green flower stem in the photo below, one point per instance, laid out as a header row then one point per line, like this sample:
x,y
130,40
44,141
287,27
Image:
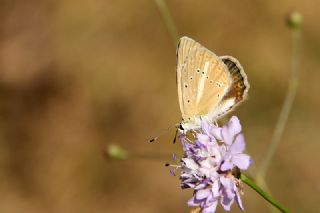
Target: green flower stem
x,y
168,20
153,156
114,151
264,194
288,101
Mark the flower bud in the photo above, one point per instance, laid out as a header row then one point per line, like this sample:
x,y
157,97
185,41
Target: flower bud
x,y
294,20
115,151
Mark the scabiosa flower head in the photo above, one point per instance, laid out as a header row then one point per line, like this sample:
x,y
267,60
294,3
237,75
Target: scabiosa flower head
x,y
211,156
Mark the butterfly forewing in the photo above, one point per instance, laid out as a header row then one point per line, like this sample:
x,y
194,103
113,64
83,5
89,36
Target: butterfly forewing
x,y
202,79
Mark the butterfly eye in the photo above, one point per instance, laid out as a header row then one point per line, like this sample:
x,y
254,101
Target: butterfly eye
x,y
198,70
181,127
191,78
186,85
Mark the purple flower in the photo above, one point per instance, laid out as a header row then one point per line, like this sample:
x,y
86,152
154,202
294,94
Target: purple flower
x,y
207,164
235,146
230,192
211,130
205,199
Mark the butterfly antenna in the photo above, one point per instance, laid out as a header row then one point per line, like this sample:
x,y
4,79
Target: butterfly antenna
x,y
165,131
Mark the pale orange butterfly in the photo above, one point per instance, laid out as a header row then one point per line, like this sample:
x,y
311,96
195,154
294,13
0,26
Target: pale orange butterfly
x,y
208,86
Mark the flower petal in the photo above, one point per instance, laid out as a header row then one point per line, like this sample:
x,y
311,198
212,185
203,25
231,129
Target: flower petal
x,y
203,138
230,130
215,189
190,163
186,185
202,194
235,123
227,186
242,161
226,166
203,184
226,202
216,132
227,192
239,145
174,157
225,181
211,130
172,172
238,199
193,202
210,208
227,138
205,126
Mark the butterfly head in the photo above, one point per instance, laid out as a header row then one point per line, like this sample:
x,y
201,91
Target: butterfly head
x,y
190,124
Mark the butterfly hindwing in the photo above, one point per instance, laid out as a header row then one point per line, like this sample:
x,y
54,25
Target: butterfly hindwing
x,y
238,90
240,85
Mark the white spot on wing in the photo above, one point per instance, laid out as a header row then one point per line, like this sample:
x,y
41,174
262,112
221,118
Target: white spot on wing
x,y
202,81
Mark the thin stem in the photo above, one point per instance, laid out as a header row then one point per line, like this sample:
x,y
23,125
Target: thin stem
x,y
264,194
168,20
286,107
153,156
114,151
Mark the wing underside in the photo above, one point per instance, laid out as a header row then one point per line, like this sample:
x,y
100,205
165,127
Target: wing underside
x,y
202,79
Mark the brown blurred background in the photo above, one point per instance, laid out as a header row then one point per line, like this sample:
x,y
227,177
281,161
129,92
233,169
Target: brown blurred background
x,y
76,76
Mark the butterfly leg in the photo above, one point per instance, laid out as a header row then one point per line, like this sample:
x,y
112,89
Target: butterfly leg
x,y
178,128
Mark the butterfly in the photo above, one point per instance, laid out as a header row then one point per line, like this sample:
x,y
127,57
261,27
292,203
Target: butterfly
x,y
209,86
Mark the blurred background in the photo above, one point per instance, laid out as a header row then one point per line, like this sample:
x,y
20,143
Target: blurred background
x,y
77,76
